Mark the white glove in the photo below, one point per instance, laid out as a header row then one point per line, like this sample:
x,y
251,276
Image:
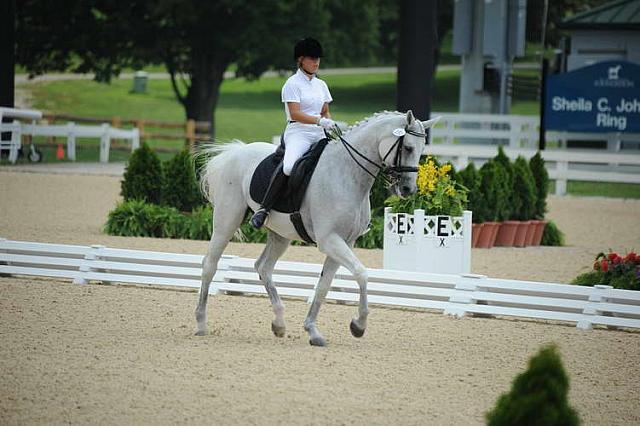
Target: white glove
x,y
326,123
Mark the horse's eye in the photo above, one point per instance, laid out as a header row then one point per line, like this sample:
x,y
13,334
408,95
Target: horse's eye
x,y
408,149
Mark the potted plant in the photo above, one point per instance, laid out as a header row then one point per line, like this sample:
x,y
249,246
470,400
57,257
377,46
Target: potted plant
x,y
470,179
430,230
541,178
507,232
494,190
524,191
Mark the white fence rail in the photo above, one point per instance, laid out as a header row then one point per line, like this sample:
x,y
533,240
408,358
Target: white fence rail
x,y
516,131
70,131
452,294
562,165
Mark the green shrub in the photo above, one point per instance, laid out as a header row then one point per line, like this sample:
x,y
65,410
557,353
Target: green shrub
x,y
379,193
374,237
589,278
504,161
200,223
135,218
495,192
539,396
541,177
524,191
470,179
180,188
143,176
552,235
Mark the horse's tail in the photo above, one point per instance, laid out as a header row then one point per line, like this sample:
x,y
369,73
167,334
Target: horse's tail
x,y
212,169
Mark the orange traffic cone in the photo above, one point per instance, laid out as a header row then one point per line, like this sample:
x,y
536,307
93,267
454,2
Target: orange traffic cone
x,y
60,152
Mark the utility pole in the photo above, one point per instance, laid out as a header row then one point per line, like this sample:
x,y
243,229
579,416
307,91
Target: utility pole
x,y
416,53
7,52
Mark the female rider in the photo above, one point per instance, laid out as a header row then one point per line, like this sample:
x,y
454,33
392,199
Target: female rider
x,y
306,104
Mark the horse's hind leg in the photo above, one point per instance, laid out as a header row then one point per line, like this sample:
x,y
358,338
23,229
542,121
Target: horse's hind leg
x,y
276,246
226,220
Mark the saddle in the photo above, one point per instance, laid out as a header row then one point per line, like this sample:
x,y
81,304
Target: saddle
x,y
291,197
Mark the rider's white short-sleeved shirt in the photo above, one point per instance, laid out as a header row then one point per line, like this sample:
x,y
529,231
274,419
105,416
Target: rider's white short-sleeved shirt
x,y
310,94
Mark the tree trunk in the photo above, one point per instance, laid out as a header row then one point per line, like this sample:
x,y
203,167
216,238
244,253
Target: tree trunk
x,y
203,89
416,50
7,52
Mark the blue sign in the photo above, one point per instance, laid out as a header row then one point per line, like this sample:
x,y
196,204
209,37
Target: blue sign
x,y
604,97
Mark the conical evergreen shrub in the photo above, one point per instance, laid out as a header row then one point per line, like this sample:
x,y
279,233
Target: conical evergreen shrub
x,y
541,177
142,178
512,198
179,184
539,396
524,191
495,192
470,179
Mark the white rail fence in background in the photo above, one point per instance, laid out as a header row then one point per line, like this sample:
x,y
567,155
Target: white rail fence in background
x,y
451,294
516,131
70,131
562,165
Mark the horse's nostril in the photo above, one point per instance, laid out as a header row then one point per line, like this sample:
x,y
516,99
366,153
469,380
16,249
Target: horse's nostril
x,y
406,189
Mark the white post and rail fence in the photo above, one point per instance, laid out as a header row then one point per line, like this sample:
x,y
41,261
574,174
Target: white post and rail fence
x,y
452,294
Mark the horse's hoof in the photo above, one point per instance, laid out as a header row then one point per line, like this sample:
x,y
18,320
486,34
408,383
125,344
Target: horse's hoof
x,y
200,333
355,330
278,330
317,341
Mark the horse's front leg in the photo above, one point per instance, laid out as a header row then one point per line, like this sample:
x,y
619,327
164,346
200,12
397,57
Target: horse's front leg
x,y
336,248
328,271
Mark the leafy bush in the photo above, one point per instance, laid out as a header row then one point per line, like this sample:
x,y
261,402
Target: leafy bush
x,y
136,218
539,396
495,192
552,235
541,177
374,237
143,176
470,179
180,188
524,191
614,270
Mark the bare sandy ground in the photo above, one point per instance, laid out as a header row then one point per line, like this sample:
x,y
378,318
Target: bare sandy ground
x,y
123,355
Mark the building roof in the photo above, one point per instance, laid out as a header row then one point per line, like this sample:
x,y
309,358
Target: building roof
x,y
615,15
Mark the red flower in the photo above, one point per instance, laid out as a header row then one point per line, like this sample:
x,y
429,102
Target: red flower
x,y
631,257
604,265
617,260
612,256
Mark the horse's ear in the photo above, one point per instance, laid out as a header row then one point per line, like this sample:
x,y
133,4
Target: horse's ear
x,y
410,117
430,123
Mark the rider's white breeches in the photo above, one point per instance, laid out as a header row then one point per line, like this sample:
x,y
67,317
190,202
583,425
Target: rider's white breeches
x,y
298,138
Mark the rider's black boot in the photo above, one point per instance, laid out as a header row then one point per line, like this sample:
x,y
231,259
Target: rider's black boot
x,y
277,183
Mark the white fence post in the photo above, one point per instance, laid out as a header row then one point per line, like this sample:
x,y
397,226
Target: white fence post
x,y
16,142
597,296
105,141
86,266
135,139
561,181
465,287
71,141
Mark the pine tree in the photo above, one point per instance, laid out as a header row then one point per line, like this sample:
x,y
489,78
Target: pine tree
x,y
538,396
142,178
524,191
180,187
541,177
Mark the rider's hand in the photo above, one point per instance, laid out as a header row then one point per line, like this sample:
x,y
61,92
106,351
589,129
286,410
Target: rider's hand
x,y
326,123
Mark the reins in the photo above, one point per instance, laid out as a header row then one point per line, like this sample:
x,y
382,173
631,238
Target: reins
x,y
397,163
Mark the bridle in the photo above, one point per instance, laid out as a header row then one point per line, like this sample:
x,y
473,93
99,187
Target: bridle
x,y
397,167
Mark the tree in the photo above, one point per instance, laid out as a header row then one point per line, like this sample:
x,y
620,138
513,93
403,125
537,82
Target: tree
x,y
7,40
197,41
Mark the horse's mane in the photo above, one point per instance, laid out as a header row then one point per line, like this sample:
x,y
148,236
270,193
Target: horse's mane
x,y
375,117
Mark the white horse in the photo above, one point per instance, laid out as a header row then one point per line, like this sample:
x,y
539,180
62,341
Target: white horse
x,y
335,210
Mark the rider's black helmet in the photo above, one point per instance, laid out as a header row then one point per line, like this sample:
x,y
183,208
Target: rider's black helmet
x,y
307,47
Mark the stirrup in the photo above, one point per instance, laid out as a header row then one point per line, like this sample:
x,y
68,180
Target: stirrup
x,y
258,218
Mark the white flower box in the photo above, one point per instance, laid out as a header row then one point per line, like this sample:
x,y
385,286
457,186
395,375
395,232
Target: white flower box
x,y
437,244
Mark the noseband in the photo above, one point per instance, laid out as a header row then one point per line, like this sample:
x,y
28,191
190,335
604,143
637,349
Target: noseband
x,y
397,167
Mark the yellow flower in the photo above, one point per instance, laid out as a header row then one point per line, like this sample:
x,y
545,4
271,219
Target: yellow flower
x,y
451,191
444,170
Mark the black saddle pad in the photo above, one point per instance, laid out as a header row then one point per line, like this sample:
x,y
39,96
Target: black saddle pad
x,y
290,199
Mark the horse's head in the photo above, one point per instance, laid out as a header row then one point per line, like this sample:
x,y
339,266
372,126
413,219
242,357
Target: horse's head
x,y
401,149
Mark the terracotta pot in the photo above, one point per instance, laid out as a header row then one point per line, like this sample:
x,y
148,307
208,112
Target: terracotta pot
x,y
531,233
476,229
521,234
507,233
488,235
537,236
